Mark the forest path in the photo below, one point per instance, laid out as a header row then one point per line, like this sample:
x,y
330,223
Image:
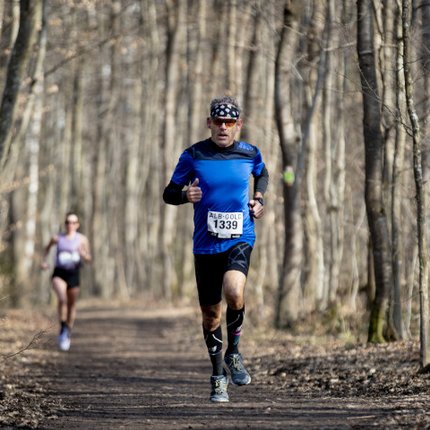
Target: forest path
x,y
131,368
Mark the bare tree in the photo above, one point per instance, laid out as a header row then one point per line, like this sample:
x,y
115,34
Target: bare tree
x,y
287,303
175,35
313,282
335,142
1,15
420,194
150,154
396,176
373,141
425,63
29,24
26,237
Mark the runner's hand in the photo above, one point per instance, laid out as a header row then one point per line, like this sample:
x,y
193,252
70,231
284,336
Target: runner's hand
x,y
194,192
256,208
84,252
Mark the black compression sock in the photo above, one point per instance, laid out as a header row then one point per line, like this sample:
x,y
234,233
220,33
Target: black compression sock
x,y
63,326
213,341
234,329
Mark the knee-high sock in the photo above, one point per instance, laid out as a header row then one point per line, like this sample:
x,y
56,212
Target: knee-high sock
x,y
234,328
213,341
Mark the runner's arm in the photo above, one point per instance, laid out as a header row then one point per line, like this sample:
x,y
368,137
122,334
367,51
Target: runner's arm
x,y
84,249
53,241
261,182
173,194
260,186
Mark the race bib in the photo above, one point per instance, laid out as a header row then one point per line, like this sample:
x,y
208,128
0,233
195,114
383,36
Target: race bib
x,y
69,259
225,225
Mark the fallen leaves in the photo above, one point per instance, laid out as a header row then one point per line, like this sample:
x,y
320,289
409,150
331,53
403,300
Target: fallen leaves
x,y
22,402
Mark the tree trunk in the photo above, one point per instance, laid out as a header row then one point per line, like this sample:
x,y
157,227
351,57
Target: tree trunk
x,y
24,201
77,160
1,16
230,7
336,142
420,195
287,302
253,130
29,24
396,207
33,146
168,227
386,37
313,283
374,142
136,171
103,279
425,64
149,247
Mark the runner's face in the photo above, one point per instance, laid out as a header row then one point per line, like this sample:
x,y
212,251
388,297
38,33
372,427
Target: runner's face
x,y
72,223
224,132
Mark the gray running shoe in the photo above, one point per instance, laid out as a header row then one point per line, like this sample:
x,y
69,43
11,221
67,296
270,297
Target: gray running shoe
x,y
219,389
64,339
239,375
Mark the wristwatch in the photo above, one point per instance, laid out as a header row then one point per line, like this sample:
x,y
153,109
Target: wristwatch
x,y
260,200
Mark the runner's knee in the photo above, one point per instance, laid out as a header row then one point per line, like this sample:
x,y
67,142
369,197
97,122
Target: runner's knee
x,y
234,297
211,317
234,300
62,300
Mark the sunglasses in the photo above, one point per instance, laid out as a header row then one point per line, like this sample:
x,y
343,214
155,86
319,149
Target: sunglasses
x,y
229,122
71,222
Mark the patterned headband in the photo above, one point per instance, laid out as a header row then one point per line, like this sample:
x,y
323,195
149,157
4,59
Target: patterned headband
x,y
225,110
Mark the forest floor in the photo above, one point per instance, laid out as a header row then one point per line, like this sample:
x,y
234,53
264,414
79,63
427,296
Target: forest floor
x,y
136,368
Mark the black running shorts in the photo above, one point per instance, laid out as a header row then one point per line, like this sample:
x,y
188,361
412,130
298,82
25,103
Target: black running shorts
x,y
210,269
71,277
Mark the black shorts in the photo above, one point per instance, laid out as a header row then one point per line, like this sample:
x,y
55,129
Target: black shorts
x,y
70,276
210,269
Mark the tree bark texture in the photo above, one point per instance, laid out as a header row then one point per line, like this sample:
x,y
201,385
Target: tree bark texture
x,y
29,24
396,207
313,284
288,296
373,141
425,64
420,194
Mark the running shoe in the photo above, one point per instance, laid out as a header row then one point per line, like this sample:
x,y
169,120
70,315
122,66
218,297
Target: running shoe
x,y
219,389
64,339
239,375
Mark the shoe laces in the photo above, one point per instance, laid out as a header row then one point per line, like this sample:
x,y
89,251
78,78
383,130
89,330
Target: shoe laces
x,y
237,362
219,386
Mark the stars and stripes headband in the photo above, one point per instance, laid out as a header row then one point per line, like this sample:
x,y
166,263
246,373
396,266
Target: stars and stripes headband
x,y
225,110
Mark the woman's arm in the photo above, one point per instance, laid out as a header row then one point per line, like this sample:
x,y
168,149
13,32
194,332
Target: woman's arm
x,y
84,249
53,241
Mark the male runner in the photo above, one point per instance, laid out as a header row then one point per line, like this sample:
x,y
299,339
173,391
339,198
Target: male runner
x,y
217,172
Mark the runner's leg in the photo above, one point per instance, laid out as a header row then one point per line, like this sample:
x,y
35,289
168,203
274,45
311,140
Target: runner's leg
x,y
238,260
209,276
234,287
60,288
234,320
72,297
212,332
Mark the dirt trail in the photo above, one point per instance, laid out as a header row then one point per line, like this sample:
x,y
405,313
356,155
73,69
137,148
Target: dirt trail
x,y
141,369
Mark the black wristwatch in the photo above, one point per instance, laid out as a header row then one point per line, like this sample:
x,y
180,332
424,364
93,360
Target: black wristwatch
x,y
260,200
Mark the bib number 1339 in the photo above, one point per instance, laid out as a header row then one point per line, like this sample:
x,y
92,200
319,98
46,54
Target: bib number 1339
x,y
225,225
